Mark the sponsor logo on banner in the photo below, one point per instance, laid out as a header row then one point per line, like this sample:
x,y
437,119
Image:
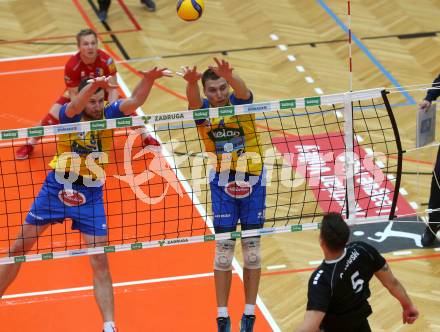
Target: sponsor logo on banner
x,y
238,189
79,252
124,122
226,111
136,246
173,241
209,237
8,134
98,125
321,160
287,103
35,132
19,259
296,228
235,235
201,114
313,101
71,197
269,230
108,249
176,241
64,129
167,117
258,108
47,256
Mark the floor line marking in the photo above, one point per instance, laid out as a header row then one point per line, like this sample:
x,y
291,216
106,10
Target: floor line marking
x,y
116,284
367,52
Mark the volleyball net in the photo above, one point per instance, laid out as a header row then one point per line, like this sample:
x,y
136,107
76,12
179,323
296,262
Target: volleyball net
x,y
337,152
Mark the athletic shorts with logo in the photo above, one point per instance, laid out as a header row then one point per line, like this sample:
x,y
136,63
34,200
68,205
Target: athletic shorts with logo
x,y
56,202
236,197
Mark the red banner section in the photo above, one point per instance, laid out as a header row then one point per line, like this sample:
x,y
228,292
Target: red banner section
x,y
320,159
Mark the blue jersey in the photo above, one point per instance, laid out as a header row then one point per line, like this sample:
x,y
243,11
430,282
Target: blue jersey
x,y
84,143
59,199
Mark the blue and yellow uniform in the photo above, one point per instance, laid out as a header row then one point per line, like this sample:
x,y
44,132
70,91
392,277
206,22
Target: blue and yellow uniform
x,y
61,198
238,189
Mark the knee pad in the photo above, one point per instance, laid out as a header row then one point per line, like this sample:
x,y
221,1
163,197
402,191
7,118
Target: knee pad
x,y
251,252
224,253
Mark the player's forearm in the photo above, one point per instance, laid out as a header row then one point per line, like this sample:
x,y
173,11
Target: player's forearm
x,y
307,327
193,95
73,92
113,94
398,291
77,105
390,282
237,84
311,322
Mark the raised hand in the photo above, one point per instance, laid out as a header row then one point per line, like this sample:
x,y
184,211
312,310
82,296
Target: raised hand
x,y
191,75
103,82
155,73
223,69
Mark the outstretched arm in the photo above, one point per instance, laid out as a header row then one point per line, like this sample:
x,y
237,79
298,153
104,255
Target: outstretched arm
x,y
142,90
192,77
113,94
390,282
312,321
77,105
224,70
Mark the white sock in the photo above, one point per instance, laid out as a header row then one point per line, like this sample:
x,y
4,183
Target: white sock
x,y
222,312
249,309
109,327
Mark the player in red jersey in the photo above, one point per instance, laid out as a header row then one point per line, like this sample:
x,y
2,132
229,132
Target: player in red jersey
x,y
88,62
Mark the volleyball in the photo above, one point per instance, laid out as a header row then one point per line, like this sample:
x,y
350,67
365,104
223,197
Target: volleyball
x,y
190,10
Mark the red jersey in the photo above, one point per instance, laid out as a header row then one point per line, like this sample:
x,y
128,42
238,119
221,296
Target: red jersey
x,y
76,70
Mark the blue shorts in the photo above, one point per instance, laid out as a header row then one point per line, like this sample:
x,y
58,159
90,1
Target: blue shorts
x,y
84,205
234,198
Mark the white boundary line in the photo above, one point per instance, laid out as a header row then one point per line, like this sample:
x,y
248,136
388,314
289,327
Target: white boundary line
x,y
117,284
39,56
29,71
201,209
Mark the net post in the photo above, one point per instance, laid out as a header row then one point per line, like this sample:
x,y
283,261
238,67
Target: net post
x,y
349,157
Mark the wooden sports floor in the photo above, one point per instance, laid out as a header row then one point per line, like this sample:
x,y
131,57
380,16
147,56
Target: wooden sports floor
x,y
395,45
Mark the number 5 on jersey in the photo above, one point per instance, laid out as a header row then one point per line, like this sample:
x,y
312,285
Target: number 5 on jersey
x,y
357,284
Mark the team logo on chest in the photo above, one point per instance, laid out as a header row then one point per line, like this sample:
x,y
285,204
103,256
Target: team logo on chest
x,y
238,189
85,143
71,197
99,72
227,139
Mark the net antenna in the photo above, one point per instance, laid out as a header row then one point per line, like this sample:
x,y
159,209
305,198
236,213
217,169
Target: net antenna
x,y
348,125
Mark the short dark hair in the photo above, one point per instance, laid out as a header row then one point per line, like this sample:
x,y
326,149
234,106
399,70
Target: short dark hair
x,y
209,74
83,33
84,83
334,231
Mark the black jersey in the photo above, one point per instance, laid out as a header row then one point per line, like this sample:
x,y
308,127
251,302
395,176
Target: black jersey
x,y
340,288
